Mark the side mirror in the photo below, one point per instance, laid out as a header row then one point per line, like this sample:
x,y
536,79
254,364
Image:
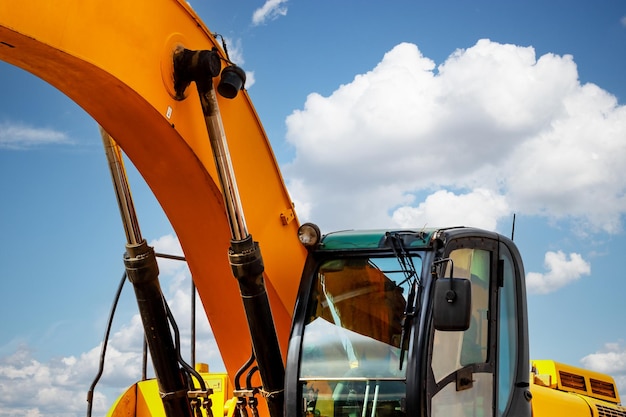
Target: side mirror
x,y
452,304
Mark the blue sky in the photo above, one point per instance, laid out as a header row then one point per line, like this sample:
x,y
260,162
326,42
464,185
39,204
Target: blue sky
x,y
401,113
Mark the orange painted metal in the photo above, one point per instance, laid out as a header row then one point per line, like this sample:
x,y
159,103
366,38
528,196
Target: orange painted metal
x,y
114,59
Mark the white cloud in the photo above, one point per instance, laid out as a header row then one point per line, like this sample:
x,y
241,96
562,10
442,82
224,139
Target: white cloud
x,y
611,359
59,386
562,271
18,136
250,80
55,388
491,120
480,208
272,9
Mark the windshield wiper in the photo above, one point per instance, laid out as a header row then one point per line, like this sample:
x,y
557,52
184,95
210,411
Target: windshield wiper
x,y
411,276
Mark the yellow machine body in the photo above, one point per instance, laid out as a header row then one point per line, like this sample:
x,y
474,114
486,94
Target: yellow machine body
x,y
143,398
563,390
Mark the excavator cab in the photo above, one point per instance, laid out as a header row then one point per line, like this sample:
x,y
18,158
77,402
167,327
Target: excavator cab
x,y
392,323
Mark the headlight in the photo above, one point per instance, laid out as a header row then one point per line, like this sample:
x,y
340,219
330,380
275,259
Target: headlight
x,y
309,235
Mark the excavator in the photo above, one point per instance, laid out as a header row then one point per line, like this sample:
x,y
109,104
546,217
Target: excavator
x,y
425,322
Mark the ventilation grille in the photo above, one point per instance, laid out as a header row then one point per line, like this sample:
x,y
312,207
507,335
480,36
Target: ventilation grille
x,y
579,381
604,411
573,381
603,388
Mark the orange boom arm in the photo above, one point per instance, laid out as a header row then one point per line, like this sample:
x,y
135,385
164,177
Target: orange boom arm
x,y
114,59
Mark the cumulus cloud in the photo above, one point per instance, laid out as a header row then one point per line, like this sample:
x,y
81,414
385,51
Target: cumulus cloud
x,y
18,136
250,80
54,388
493,124
562,270
479,208
59,386
611,359
272,9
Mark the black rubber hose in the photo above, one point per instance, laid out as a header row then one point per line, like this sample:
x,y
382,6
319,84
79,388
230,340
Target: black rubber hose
x,y
184,364
104,345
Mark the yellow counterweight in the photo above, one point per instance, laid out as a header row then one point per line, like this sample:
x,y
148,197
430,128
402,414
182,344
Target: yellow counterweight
x,y
564,390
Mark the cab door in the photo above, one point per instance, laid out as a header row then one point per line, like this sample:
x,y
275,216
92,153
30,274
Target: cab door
x,y
462,364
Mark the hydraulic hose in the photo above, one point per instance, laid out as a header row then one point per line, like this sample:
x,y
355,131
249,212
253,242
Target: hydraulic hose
x,y
105,343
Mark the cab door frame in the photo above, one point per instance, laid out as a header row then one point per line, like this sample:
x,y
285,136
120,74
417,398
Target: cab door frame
x,y
468,375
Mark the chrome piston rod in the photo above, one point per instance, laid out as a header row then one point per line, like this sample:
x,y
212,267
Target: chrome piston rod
x,y
122,189
143,272
224,165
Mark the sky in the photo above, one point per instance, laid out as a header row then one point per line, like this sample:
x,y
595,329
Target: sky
x,y
394,114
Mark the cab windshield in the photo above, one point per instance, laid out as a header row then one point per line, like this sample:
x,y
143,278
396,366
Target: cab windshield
x,y
351,349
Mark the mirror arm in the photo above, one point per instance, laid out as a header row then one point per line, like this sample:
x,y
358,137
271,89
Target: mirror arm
x,y
450,294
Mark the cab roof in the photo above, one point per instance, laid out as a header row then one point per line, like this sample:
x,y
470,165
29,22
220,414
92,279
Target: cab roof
x,y
375,239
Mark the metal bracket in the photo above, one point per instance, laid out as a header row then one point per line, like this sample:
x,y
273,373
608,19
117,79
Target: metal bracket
x,y
464,379
287,216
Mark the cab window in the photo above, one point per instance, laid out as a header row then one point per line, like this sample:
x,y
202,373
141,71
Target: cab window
x,y
351,342
463,378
